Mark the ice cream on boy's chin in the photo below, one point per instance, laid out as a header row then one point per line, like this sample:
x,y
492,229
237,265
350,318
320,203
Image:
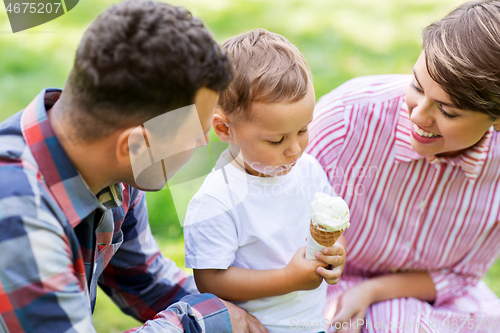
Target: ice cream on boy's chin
x,y
329,213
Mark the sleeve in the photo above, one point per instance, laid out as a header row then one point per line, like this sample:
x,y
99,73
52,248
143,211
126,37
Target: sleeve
x,y
210,234
450,284
194,313
455,281
148,286
327,131
38,285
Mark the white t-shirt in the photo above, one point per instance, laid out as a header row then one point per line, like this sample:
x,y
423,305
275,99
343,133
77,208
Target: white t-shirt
x,y
237,219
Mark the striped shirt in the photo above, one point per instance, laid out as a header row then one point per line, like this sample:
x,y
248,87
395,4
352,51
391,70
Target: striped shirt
x,y
58,241
409,212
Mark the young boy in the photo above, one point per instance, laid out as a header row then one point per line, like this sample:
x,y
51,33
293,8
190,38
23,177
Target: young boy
x,y
246,227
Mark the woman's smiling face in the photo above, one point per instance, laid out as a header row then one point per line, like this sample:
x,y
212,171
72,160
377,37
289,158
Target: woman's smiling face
x,y
439,128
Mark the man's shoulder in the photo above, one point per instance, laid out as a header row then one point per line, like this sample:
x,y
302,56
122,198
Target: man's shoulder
x,y
12,144
24,203
20,192
19,176
23,198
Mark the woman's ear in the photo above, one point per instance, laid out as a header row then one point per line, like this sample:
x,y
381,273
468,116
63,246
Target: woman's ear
x,y
496,125
222,126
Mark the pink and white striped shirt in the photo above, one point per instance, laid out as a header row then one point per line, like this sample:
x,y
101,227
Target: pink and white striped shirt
x,y
410,212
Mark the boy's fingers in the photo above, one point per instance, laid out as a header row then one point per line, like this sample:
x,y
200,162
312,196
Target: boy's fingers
x,y
322,263
330,275
331,260
334,250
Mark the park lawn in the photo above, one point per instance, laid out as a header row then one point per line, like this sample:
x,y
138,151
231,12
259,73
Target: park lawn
x,y
340,40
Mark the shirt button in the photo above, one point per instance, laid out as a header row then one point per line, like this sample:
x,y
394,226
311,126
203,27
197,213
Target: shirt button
x,y
422,204
408,244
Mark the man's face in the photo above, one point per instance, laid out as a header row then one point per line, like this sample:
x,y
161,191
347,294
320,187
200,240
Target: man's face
x,y
162,153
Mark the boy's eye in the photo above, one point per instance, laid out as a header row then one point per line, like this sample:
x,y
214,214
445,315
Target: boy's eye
x,y
276,142
303,131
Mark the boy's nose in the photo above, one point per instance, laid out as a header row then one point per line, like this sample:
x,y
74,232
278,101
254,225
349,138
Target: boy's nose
x,y
294,149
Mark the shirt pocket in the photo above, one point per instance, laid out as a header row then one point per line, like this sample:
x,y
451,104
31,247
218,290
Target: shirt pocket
x,y
109,250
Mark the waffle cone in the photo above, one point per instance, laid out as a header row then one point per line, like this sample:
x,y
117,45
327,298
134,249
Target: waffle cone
x,y
324,237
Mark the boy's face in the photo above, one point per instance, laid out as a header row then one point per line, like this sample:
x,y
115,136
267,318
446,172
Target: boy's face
x,y
275,136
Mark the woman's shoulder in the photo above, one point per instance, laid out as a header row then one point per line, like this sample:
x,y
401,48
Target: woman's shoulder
x,y
494,146
368,90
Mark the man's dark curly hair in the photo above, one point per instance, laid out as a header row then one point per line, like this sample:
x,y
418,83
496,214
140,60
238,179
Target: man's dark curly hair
x,y
137,60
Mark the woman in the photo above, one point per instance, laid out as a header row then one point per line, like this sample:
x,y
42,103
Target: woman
x,y
418,161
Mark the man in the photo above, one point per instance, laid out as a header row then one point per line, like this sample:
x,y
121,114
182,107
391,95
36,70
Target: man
x,y
71,214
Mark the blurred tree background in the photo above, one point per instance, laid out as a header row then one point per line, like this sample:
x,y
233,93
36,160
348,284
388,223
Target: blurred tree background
x,y
340,39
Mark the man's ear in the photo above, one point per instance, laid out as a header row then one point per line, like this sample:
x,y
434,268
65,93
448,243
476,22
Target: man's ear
x,y
222,126
131,144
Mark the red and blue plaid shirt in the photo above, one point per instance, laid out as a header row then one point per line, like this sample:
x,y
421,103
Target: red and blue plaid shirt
x,y
58,241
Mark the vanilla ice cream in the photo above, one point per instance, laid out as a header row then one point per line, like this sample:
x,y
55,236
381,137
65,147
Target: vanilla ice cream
x,y
329,213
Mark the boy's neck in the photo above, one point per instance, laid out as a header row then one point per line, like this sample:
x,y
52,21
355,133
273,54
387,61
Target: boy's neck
x,y
237,162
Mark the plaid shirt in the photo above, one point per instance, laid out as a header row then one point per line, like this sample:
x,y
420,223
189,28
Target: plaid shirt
x,y
58,241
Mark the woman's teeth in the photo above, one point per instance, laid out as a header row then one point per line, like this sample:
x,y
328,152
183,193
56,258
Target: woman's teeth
x,y
423,133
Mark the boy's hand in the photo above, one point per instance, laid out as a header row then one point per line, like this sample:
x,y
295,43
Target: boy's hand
x,y
301,273
334,256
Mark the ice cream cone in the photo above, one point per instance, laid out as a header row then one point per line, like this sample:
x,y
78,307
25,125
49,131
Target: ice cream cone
x,y
329,219
324,237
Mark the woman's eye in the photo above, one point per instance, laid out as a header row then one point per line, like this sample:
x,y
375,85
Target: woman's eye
x,y
303,131
446,114
416,88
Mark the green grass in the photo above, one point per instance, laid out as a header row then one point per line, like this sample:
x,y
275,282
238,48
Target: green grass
x,y
340,39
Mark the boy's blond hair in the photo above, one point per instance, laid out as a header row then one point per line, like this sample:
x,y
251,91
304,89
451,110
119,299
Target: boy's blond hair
x,y
268,69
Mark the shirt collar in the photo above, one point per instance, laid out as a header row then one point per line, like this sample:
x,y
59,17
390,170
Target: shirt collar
x,y
63,180
471,161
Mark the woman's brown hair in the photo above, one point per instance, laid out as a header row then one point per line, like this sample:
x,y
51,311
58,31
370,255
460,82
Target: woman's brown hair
x,y
462,53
